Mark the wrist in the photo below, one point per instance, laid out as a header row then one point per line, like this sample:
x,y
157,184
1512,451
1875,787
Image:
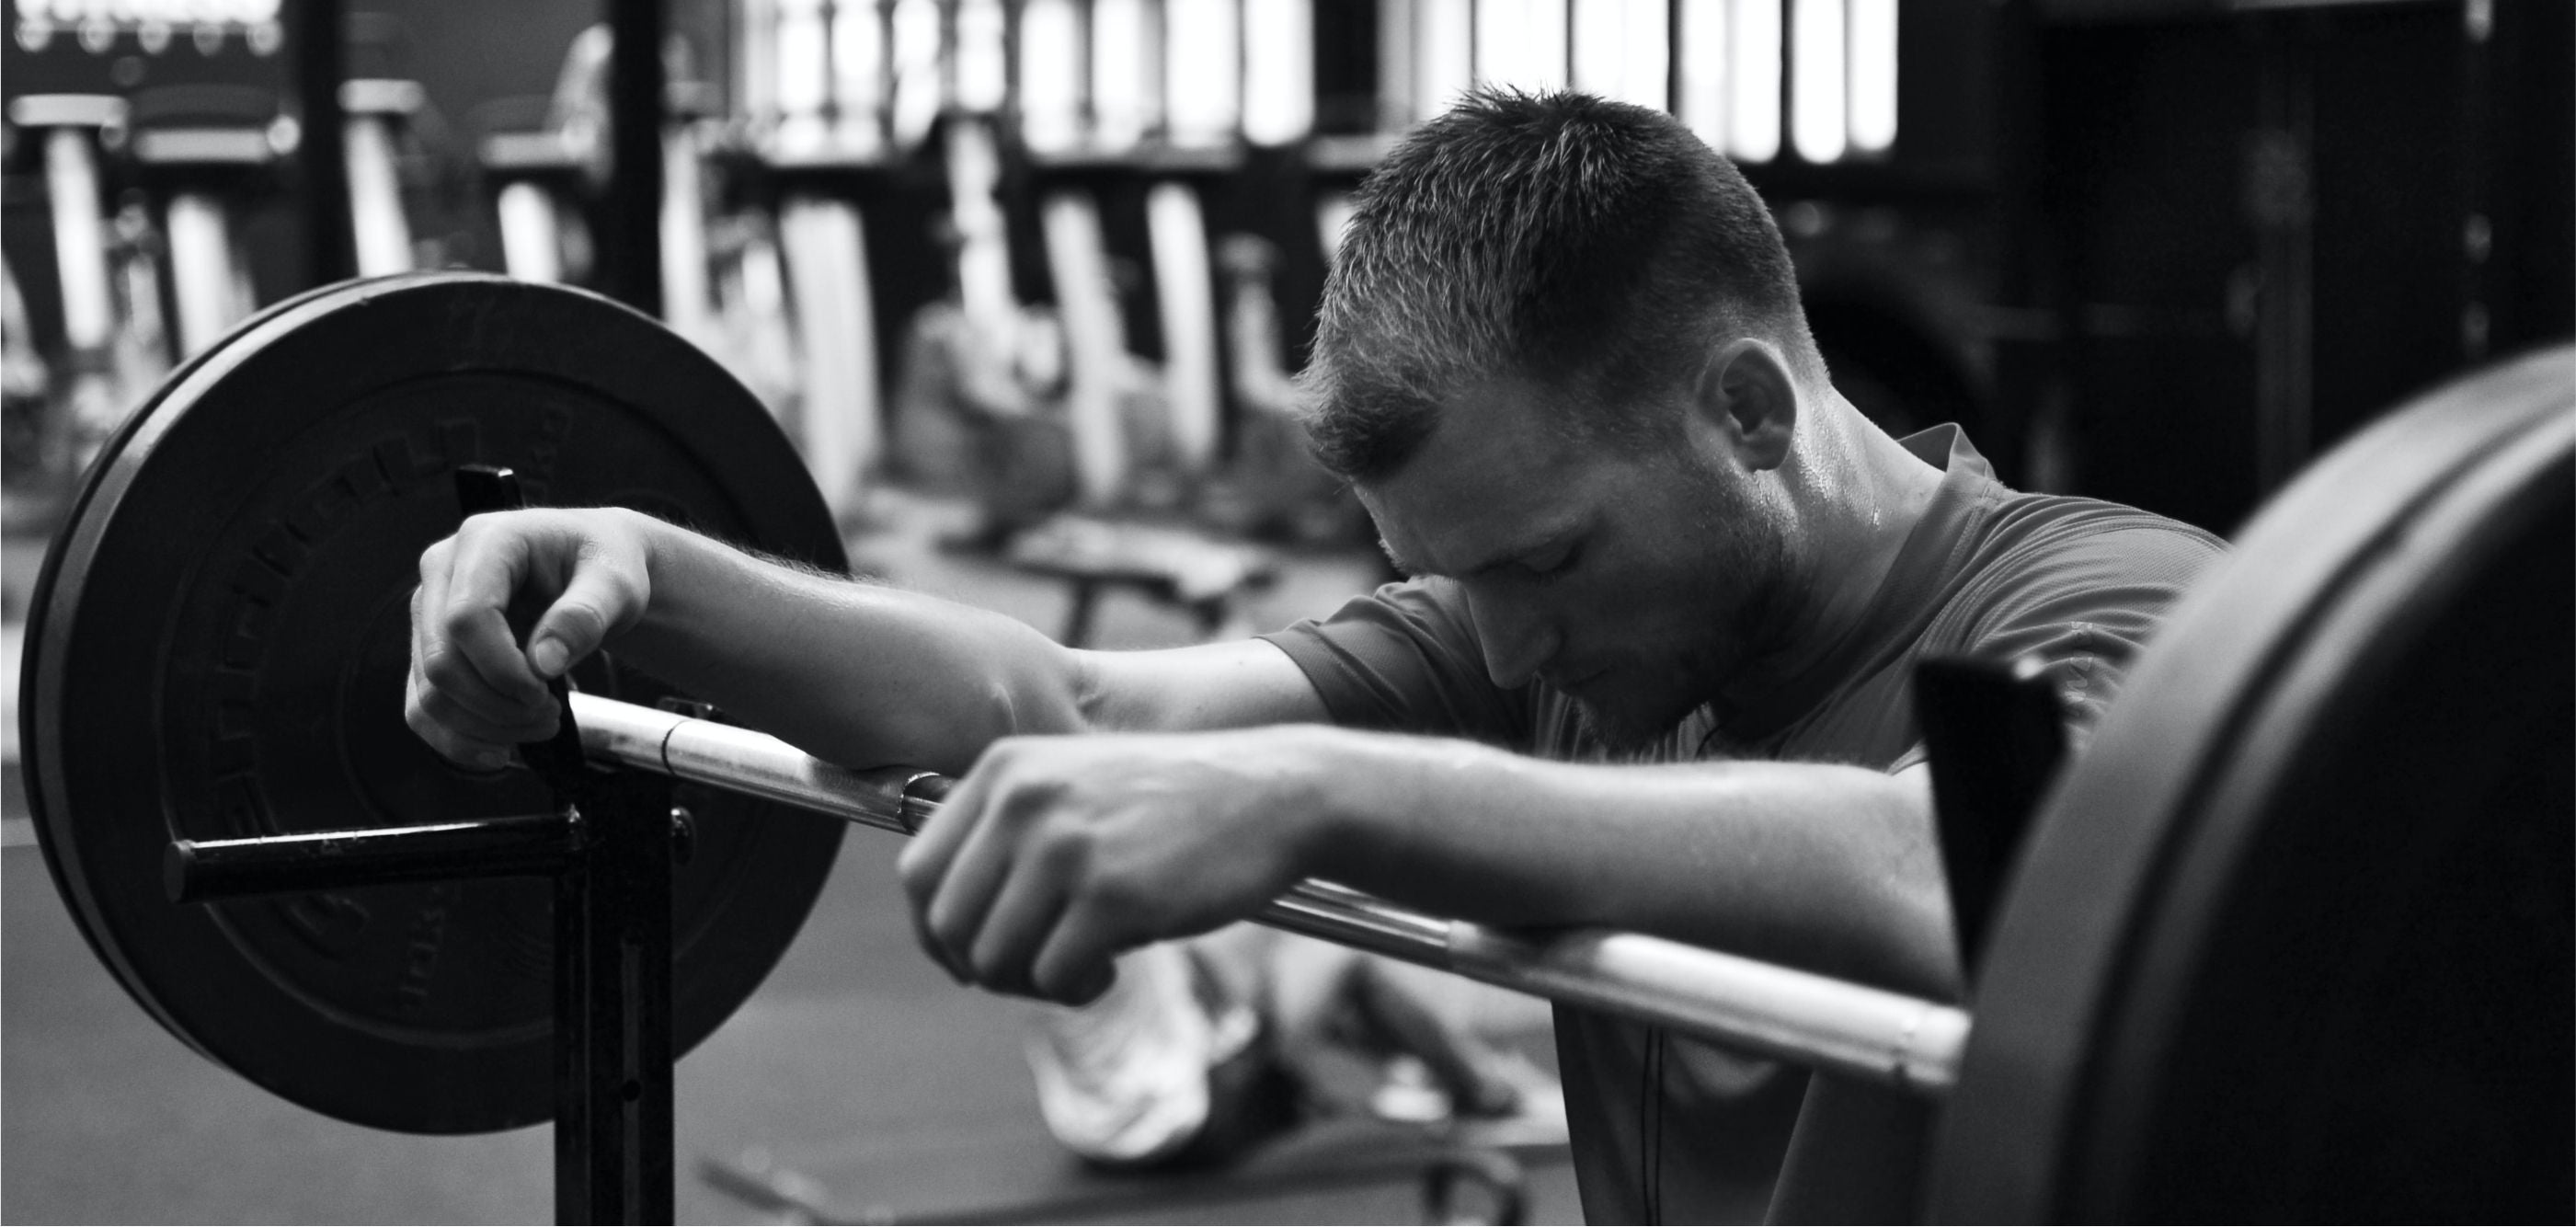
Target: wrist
x,y
673,566
1373,792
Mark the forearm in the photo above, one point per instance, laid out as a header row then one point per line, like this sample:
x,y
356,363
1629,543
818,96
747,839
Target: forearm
x,y
1829,868
851,672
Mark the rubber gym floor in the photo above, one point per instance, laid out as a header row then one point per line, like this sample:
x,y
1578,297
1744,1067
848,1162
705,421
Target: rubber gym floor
x,y
857,1065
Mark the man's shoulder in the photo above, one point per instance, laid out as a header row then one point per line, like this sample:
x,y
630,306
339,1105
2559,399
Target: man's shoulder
x,y
2042,531
2047,560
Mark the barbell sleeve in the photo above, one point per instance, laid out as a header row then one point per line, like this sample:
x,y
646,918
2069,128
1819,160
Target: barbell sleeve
x,y
1794,1015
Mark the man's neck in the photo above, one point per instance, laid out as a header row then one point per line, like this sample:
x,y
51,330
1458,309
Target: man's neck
x,y
1865,499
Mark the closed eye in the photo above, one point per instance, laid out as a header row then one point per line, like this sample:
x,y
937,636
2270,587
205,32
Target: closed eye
x,y
1551,565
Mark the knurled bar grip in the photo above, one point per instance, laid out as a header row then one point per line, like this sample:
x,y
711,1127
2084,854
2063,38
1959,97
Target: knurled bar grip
x,y
1794,1015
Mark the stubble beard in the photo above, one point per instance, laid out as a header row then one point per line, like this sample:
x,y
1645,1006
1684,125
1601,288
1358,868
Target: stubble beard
x,y
1740,589
1738,595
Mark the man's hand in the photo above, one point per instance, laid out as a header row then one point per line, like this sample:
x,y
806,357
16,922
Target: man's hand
x,y
474,691
1056,853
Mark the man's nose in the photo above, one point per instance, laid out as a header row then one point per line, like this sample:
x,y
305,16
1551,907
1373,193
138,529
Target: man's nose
x,y
1518,640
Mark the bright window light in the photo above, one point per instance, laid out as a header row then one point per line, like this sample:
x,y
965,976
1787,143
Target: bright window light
x,y
858,62
1204,91
1444,45
1650,54
1873,75
1521,43
1753,96
1621,50
1278,71
1050,74
982,82
1704,64
917,88
1120,110
1816,116
801,87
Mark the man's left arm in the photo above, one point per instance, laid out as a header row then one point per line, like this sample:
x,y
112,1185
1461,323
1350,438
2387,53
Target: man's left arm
x,y
1058,852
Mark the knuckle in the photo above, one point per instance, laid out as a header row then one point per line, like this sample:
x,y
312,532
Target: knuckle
x,y
458,622
1062,852
1024,801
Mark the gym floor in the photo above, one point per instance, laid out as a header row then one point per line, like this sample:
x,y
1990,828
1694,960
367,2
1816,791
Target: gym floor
x,y
856,1066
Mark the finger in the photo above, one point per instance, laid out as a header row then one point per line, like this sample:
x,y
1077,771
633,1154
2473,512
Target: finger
x,y
601,597
1075,964
443,737
1023,913
445,695
925,860
446,710
474,621
923,864
459,691
937,953
429,602
974,878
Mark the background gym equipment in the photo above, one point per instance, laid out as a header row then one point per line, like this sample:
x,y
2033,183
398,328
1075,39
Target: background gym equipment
x,y
2291,938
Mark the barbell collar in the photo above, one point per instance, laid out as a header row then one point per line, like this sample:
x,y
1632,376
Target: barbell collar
x,y
1834,1025
207,870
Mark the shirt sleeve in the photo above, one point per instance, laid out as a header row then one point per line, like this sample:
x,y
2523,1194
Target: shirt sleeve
x,y
2084,602
1405,658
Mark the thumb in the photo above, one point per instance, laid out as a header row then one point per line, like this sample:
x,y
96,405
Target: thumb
x,y
579,622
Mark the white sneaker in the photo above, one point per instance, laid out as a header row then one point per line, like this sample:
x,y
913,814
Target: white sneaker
x,y
1124,1079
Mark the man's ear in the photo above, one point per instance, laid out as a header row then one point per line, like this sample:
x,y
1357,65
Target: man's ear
x,y
1748,397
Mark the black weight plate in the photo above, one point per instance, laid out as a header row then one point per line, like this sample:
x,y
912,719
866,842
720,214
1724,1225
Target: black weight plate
x,y
2293,941
218,644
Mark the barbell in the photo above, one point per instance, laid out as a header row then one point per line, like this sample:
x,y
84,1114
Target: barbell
x,y
2291,939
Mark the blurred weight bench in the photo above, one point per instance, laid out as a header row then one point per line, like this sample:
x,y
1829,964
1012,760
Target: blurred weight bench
x,y
1173,566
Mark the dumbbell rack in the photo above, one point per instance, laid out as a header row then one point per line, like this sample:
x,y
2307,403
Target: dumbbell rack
x,y
609,844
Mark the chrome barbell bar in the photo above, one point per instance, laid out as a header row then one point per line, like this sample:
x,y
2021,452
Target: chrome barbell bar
x,y
1799,1016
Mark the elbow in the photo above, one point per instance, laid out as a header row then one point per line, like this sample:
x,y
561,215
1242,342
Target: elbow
x,y
1927,963
1918,950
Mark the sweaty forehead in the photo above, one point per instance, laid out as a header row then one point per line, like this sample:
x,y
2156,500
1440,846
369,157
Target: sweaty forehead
x,y
1495,477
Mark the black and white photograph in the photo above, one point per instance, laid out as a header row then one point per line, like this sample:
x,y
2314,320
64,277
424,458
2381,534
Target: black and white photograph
x,y
1287,611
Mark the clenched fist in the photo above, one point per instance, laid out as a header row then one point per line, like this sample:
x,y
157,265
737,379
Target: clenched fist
x,y
1056,853
474,689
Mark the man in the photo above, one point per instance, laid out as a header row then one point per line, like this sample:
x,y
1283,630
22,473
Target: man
x,y
1652,673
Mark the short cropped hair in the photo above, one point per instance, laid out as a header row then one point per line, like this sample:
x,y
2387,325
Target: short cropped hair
x,y
1594,247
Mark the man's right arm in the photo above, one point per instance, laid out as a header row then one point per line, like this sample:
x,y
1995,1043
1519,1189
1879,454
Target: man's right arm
x,y
853,673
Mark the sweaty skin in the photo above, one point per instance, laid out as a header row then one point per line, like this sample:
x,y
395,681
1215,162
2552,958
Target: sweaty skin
x,y
1642,582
